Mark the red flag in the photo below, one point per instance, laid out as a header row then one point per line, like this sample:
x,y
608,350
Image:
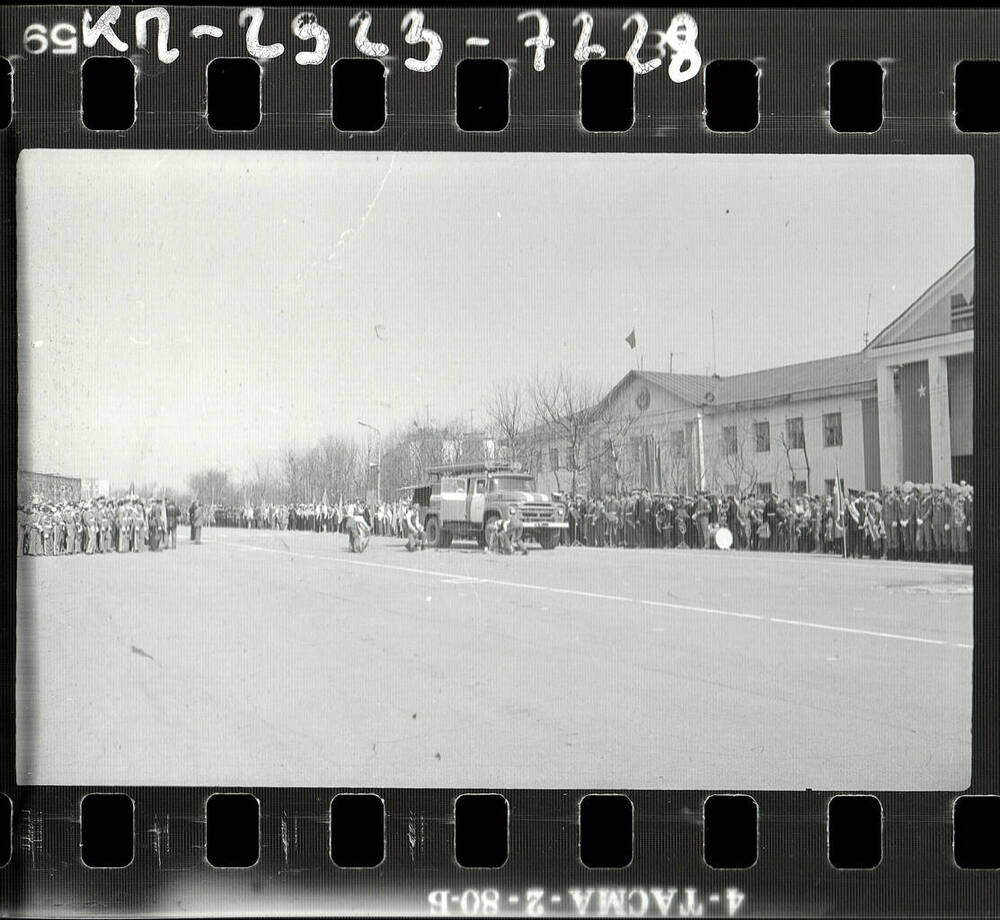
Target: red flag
x,y
914,407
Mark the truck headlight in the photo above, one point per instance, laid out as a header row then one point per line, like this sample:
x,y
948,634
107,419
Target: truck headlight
x,y
559,512
513,507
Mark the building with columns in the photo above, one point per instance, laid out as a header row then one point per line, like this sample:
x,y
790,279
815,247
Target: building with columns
x,y
924,366
900,409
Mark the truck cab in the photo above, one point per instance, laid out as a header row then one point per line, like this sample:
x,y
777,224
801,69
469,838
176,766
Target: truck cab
x,y
465,498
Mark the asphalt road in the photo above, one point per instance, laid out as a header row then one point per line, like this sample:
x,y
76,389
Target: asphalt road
x,y
264,658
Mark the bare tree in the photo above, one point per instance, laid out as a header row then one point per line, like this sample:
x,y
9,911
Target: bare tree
x,y
679,462
567,409
408,452
211,485
292,469
340,460
614,422
788,448
733,457
510,413
261,485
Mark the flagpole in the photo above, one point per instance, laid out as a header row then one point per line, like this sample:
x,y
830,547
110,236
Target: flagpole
x,y
842,501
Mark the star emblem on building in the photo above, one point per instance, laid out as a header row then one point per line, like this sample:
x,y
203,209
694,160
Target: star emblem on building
x,y
921,391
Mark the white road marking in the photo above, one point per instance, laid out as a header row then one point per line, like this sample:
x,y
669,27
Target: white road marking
x,y
826,559
619,598
860,632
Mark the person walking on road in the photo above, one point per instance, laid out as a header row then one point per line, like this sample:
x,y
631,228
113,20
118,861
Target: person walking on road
x,y
197,521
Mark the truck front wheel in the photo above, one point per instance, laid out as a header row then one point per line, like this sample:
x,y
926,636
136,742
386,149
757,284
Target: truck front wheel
x,y
549,539
487,536
433,531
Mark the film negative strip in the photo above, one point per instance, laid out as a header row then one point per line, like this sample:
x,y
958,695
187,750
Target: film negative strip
x,y
499,462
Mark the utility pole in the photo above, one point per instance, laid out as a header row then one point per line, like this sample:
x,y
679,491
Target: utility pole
x,y
715,367
701,452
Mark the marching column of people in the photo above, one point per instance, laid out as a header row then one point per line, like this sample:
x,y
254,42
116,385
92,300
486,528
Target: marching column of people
x,y
384,519
913,522
98,526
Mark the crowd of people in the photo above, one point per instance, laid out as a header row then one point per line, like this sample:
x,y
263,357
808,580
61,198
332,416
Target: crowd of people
x,y
384,518
908,521
101,525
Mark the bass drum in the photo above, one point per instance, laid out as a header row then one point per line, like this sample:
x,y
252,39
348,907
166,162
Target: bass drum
x,y
724,538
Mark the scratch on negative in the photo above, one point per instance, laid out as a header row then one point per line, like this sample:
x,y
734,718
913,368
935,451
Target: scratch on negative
x,y
352,231
378,193
161,838
411,836
31,839
284,838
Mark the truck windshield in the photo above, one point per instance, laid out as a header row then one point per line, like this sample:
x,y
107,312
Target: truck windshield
x,y
512,484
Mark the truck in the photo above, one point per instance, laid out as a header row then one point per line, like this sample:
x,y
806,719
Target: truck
x,y
460,501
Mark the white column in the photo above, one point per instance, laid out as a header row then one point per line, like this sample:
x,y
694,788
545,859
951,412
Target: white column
x,y
889,426
937,393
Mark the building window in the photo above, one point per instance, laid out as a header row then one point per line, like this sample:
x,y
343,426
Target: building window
x,y
831,486
833,435
571,458
553,458
729,443
762,437
677,443
962,313
797,488
764,490
795,433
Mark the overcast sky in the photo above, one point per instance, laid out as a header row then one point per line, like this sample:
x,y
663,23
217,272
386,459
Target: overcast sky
x,y
184,309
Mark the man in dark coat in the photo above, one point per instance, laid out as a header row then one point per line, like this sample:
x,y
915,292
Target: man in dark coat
x,y
173,514
154,523
771,518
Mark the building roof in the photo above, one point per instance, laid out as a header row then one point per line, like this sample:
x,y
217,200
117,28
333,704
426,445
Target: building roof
x,y
786,382
930,314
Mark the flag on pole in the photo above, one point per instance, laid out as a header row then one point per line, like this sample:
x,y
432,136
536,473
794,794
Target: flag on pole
x,y
325,502
630,338
840,510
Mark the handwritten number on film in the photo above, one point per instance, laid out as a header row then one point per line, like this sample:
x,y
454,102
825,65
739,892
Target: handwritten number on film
x,y
62,38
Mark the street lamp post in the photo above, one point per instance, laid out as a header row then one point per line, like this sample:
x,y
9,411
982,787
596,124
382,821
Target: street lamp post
x,y
378,468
